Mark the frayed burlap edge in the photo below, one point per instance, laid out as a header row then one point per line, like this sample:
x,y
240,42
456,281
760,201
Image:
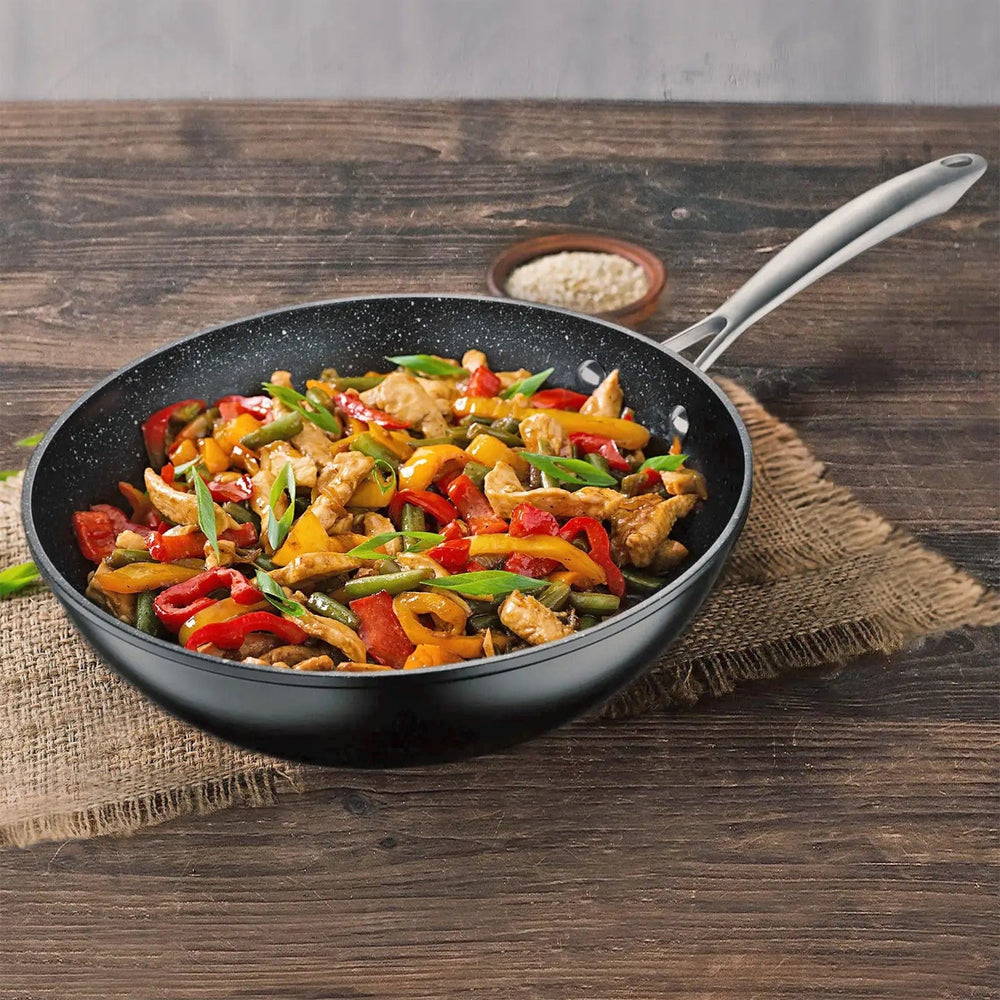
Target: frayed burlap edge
x,y
955,599
254,789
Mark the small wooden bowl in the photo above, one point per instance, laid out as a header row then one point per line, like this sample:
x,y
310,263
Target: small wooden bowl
x,y
540,246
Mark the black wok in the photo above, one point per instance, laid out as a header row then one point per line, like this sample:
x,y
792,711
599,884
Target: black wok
x,y
444,713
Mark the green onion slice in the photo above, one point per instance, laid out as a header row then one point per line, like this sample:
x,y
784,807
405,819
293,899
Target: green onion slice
x,y
487,583
16,578
273,593
569,470
321,417
427,364
366,550
206,513
663,463
527,386
278,527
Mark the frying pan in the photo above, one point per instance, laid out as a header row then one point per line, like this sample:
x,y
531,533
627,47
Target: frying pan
x,y
414,717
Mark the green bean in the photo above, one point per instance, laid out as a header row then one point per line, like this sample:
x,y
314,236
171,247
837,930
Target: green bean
x,y
185,414
633,484
482,620
359,382
595,604
389,566
325,606
124,557
598,462
548,481
645,583
367,445
476,471
585,621
412,519
265,563
319,397
511,440
474,418
459,436
555,595
428,442
395,583
240,514
145,617
509,424
285,427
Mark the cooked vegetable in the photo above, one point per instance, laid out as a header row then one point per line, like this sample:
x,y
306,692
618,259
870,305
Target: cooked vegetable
x,y
16,578
293,530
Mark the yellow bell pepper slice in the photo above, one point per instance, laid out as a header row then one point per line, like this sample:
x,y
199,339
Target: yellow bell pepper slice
x,y
135,578
221,611
451,617
212,454
307,535
228,434
182,451
423,467
371,495
626,432
430,655
547,546
487,450
388,439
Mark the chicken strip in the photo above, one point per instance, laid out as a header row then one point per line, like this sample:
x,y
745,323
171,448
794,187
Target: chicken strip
x,y
504,491
444,392
180,507
379,524
315,566
532,620
334,633
314,443
543,433
473,359
344,475
404,397
640,525
683,481
273,457
606,400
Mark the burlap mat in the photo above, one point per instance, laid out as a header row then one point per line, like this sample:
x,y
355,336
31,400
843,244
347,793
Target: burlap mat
x,y
815,578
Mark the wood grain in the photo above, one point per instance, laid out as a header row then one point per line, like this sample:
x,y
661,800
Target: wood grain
x,y
831,834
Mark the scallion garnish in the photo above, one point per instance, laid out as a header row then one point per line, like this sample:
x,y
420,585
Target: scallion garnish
x,y
663,463
427,364
279,526
424,540
273,593
16,578
569,470
527,386
318,415
206,513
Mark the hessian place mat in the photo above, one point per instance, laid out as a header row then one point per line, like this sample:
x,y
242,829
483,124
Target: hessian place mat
x,y
815,578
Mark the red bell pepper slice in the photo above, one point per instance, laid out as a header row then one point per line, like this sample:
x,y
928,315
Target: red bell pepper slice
x,y
167,474
175,605
355,407
483,382
230,634
237,490
119,522
440,509
230,407
589,444
534,566
558,399
600,549
453,530
164,547
154,430
452,555
95,534
474,507
381,631
526,519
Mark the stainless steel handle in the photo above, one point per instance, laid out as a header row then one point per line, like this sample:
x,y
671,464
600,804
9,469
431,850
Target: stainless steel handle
x,y
853,228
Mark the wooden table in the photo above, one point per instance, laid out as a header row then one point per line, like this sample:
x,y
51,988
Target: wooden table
x,y
832,834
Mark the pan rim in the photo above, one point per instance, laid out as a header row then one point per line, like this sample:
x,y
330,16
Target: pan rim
x,y
447,673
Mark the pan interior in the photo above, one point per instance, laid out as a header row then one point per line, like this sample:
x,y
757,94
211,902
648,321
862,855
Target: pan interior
x,y
99,442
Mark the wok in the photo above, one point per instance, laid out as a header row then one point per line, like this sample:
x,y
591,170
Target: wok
x,y
444,713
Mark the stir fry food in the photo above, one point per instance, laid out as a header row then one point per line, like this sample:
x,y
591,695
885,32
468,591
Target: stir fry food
x,y
436,513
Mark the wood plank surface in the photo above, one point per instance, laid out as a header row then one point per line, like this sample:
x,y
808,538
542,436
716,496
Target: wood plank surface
x,y
830,834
